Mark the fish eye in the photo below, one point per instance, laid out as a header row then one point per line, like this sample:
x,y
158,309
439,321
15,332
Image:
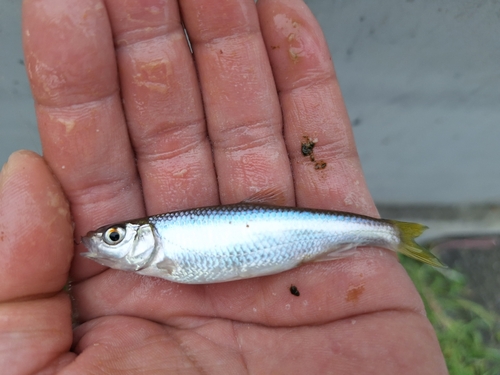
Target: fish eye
x,y
114,235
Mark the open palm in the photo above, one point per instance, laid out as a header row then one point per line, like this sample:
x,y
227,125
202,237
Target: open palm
x,y
132,123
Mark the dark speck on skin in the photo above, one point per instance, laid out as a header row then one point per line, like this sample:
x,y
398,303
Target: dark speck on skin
x,y
294,290
320,165
354,292
20,61
307,146
308,150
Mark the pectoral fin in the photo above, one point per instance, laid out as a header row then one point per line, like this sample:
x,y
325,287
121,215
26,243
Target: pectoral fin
x,y
166,265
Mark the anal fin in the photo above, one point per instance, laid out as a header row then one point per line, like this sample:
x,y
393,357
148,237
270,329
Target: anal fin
x,y
342,251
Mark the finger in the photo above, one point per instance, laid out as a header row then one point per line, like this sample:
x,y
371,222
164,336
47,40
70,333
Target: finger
x,y
313,110
36,246
36,239
241,104
71,66
162,102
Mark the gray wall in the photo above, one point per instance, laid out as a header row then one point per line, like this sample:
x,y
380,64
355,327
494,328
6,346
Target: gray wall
x,y
421,80
17,116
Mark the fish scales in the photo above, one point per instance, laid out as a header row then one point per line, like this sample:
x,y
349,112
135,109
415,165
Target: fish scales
x,y
210,244
224,243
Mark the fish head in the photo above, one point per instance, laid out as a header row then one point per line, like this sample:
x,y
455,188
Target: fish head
x,y
125,246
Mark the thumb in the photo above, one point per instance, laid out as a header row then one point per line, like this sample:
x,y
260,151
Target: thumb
x,y
36,246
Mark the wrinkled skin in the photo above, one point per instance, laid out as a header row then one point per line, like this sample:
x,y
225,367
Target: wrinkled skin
x,y
132,125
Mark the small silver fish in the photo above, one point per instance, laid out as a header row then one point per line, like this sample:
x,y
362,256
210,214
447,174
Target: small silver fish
x,y
239,241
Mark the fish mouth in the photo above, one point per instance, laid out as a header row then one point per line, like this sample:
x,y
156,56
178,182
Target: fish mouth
x,y
87,242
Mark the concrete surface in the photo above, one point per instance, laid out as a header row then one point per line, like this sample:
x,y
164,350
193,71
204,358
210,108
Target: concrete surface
x,y
421,82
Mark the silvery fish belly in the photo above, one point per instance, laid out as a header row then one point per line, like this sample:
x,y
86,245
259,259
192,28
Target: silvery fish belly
x,y
223,243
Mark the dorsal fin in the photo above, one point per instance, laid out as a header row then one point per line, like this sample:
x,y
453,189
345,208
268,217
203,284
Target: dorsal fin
x,y
269,196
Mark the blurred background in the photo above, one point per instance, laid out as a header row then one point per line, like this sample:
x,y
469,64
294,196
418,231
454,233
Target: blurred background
x,y
421,80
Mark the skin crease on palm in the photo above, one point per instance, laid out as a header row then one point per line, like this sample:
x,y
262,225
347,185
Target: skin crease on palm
x,y
131,124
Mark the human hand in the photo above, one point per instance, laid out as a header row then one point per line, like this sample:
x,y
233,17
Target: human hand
x,y
136,144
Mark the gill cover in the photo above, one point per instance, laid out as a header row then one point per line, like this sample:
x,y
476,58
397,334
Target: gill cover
x,y
127,246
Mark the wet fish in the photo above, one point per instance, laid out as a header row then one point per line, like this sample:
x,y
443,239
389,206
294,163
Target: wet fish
x,y
223,243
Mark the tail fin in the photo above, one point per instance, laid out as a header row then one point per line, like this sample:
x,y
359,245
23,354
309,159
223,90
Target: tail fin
x,y
407,234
